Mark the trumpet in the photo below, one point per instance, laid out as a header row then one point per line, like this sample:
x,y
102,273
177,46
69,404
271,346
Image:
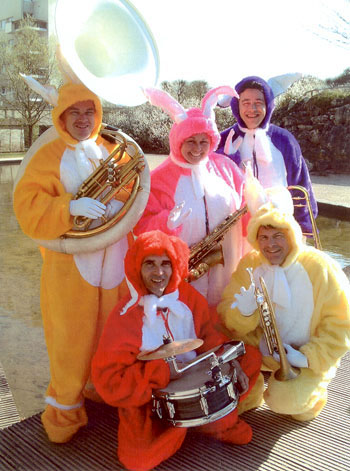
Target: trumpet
x,y
271,333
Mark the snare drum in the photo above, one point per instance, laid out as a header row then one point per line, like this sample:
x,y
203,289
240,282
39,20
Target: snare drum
x,y
195,399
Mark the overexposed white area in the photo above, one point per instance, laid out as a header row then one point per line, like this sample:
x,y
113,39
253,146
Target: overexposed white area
x,y
222,41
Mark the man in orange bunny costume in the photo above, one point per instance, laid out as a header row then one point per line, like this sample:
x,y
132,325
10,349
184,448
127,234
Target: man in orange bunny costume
x,y
77,291
138,323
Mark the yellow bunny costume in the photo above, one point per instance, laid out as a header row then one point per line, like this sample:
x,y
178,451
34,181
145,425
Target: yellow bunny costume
x,y
310,294
77,291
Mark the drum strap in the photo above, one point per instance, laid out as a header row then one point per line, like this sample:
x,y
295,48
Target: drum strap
x,y
164,313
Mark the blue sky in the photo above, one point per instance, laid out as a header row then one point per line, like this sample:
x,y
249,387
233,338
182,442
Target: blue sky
x,y
221,41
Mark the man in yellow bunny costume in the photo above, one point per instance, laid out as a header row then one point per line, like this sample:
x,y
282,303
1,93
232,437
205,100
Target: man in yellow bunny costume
x,y
77,291
310,295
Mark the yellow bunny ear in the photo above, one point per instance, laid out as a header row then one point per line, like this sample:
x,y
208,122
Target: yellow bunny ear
x,y
254,194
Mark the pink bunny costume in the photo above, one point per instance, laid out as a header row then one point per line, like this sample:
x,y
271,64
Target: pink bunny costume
x,y
210,190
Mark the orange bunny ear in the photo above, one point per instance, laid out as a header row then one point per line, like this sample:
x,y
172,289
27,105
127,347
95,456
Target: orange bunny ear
x,y
167,103
48,92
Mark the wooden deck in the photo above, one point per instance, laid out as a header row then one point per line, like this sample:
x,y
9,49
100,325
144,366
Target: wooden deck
x,y
279,443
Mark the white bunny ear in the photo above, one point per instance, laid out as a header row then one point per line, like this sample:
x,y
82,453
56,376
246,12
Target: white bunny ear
x,y
48,92
211,99
281,83
166,102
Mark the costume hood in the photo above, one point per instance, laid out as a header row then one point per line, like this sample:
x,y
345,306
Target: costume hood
x,y
269,215
69,94
269,99
191,121
156,243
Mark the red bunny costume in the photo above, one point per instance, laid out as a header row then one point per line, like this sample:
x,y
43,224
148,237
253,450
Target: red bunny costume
x,y
210,189
134,326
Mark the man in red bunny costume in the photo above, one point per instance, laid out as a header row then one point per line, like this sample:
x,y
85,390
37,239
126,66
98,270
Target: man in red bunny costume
x,y
138,323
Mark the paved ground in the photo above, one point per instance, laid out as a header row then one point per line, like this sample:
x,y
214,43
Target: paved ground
x,y
331,189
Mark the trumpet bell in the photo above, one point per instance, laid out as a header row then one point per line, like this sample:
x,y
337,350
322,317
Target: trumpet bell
x,y
108,47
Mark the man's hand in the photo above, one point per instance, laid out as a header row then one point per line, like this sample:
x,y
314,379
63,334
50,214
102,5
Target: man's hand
x,y
87,207
113,207
245,301
242,378
294,357
177,216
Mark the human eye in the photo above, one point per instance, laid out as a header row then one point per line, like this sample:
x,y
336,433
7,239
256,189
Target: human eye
x,y
147,263
280,235
167,264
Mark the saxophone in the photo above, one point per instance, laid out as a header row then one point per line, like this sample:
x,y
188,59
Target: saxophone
x,y
271,333
208,252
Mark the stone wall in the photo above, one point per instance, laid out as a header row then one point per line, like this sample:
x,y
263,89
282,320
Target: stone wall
x,y
321,124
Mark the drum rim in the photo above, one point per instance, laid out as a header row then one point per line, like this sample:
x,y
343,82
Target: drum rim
x,y
207,418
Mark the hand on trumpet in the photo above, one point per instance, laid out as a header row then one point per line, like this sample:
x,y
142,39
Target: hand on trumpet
x,y
294,357
177,216
87,207
246,301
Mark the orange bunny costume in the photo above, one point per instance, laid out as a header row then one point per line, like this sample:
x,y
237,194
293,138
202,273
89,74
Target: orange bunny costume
x,y
77,291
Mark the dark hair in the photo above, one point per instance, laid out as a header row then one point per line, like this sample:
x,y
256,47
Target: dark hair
x,y
252,84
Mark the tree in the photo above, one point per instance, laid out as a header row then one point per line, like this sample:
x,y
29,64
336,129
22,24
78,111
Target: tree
x,y
336,30
27,52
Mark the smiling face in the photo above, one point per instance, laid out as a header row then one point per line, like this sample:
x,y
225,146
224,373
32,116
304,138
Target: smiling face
x,y
252,107
79,119
195,148
273,244
156,271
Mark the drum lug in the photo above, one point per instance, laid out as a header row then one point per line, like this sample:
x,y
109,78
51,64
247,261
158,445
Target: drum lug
x,y
231,391
204,405
157,408
171,409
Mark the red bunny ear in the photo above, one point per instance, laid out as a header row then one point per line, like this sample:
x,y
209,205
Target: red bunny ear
x,y
211,99
166,102
182,253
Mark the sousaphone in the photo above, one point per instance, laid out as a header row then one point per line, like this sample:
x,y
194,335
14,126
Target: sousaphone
x,y
107,46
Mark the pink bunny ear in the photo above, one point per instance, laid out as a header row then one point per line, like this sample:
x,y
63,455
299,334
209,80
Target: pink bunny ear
x,y
211,99
166,102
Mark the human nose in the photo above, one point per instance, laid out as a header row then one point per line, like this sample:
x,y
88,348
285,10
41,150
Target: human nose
x,y
159,270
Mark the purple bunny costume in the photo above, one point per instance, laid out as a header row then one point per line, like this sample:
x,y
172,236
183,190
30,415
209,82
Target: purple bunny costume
x,y
273,151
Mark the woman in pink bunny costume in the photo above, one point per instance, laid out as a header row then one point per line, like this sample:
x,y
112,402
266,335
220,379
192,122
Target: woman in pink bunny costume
x,y
194,189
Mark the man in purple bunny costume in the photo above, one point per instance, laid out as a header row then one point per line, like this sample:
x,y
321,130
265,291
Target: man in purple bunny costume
x,y
274,153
